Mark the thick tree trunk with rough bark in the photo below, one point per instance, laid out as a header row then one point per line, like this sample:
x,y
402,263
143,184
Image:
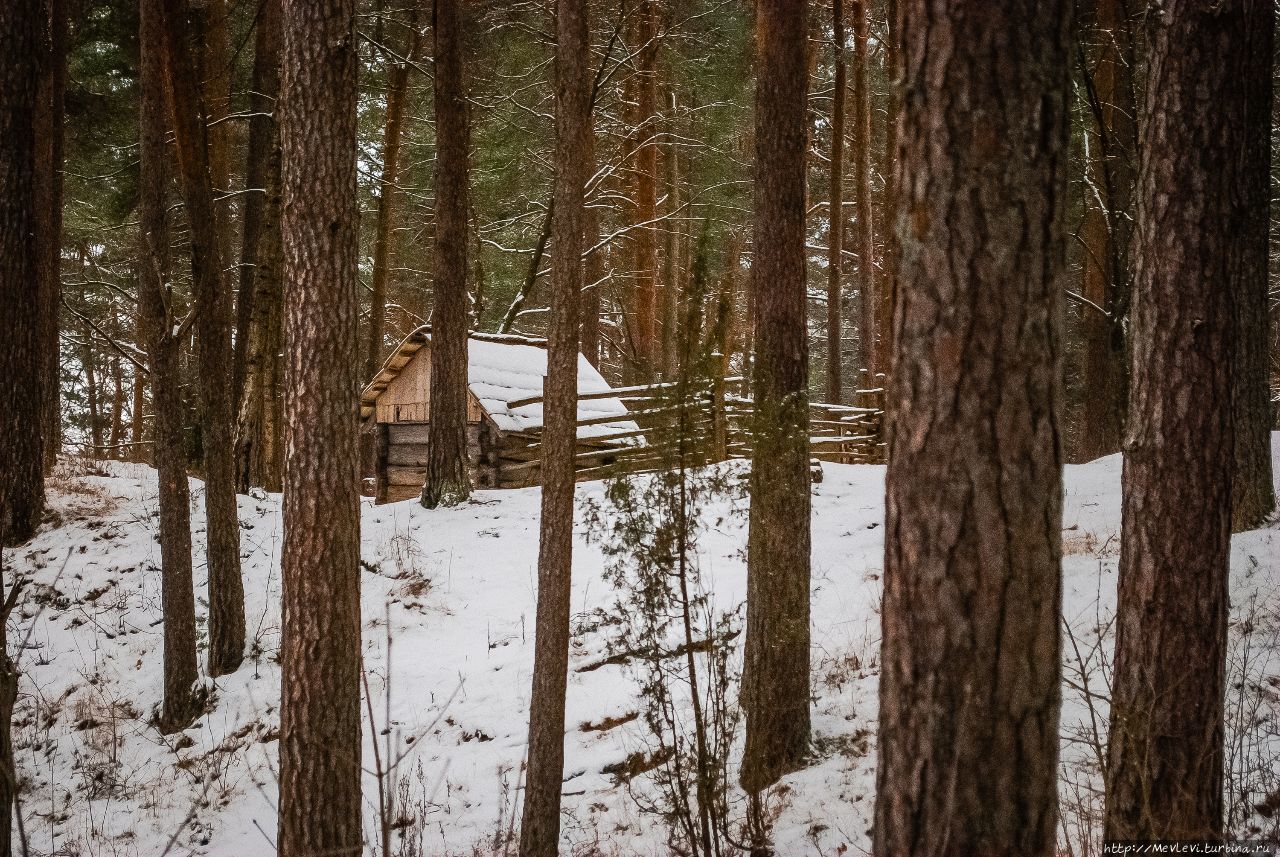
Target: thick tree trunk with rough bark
x,y
864,229
835,215
1253,495
1108,226
448,479
540,830
22,349
213,347
164,350
775,681
50,114
320,746
1165,753
971,682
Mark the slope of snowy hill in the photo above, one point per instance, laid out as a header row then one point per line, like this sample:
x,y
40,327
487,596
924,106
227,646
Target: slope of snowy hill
x,y
448,615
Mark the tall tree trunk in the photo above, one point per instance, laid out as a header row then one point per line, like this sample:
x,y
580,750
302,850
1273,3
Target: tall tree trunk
x,y
448,481
397,92
672,256
886,294
22,349
645,181
258,335
1107,228
835,215
595,271
50,98
1253,497
164,350
88,360
971,683
1165,753
261,166
320,809
775,681
864,229
540,831
213,348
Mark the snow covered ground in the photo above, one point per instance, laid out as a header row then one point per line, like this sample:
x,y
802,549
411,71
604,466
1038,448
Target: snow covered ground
x,y
451,593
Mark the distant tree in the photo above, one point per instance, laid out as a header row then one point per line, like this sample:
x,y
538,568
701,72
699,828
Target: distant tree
x,y
540,830
971,682
1253,496
775,682
1165,751
50,134
392,135
864,228
835,213
1109,63
320,809
22,349
643,38
213,346
258,371
448,481
163,337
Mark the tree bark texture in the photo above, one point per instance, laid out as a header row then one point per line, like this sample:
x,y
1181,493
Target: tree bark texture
x,y
49,183
540,831
213,348
164,351
775,682
1253,494
835,214
320,745
971,681
864,229
1108,225
448,480
22,349
1165,753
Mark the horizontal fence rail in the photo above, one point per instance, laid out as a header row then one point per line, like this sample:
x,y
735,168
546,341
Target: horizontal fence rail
x,y
697,423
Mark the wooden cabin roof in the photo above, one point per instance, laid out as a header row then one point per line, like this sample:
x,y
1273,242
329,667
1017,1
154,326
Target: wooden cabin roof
x,y
503,371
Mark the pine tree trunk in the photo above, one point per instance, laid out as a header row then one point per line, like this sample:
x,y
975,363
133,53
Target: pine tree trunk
x,y
164,351
51,97
971,682
1106,231
775,681
864,228
1253,496
213,348
1165,753
540,831
645,181
261,167
835,216
594,273
22,349
320,745
668,359
887,292
448,481
258,336
397,92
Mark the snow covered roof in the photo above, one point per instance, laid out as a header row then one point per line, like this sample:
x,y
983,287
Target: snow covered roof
x,y
503,373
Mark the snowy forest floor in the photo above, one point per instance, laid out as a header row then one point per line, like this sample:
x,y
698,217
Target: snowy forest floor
x,y
454,592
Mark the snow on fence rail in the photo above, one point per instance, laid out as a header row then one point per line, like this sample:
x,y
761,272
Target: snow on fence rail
x,y
707,423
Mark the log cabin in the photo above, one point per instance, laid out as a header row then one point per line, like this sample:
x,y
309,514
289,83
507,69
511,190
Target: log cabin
x,y
505,375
